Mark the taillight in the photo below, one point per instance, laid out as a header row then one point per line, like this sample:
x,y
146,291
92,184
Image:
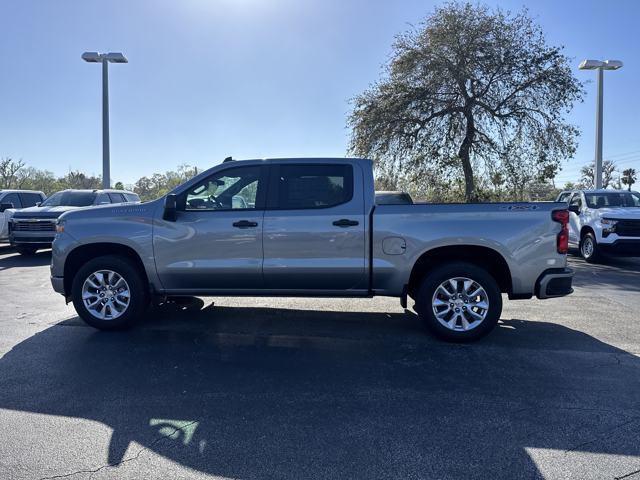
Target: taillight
x,y
562,241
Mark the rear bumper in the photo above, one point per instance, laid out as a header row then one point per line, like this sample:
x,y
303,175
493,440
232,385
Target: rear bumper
x,y
622,248
555,282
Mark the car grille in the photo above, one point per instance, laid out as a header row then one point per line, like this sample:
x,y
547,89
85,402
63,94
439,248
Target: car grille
x,y
34,226
628,228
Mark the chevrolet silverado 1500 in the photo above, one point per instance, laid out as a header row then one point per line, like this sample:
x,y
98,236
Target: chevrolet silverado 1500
x,y
310,227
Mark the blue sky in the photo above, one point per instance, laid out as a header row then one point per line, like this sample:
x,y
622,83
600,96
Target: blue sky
x,y
250,78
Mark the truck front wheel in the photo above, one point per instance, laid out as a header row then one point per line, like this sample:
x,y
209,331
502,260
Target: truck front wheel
x,y
459,302
589,248
109,293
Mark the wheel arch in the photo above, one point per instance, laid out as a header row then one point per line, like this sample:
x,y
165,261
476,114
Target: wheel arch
x,y
484,257
83,253
586,229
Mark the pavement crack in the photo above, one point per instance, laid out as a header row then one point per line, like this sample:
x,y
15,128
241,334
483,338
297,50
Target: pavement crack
x,y
601,435
125,460
627,475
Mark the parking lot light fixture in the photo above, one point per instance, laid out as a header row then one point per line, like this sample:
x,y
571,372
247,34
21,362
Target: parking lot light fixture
x,y
105,59
600,66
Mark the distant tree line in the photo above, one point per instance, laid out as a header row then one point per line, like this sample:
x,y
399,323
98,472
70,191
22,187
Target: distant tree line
x,y
15,174
431,186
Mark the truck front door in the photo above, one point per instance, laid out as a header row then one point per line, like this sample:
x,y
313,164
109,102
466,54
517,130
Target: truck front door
x,y
314,227
215,242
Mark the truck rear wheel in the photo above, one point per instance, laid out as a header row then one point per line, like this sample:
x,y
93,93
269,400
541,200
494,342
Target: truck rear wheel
x,y
109,293
459,302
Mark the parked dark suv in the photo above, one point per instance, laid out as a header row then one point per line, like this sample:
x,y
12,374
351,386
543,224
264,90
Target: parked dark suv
x,y
35,227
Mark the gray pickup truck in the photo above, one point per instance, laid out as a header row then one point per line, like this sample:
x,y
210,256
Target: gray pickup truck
x,y
310,227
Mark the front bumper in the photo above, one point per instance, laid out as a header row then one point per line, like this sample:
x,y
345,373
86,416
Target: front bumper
x,y
58,284
31,238
622,248
555,282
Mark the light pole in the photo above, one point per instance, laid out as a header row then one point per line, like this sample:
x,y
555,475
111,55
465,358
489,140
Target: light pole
x,y
105,58
599,65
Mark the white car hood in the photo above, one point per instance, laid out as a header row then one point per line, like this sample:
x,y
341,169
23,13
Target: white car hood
x,y
619,212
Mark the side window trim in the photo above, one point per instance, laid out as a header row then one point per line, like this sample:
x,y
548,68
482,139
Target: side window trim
x,y
274,185
260,193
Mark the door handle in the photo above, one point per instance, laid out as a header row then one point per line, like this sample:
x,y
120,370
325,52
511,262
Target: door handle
x,y
345,222
245,224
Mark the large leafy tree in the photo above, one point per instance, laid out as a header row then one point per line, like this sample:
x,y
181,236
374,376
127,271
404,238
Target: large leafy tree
x,y
469,90
588,176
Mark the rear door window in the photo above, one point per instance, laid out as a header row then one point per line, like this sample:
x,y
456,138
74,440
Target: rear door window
x,y
117,198
313,186
102,199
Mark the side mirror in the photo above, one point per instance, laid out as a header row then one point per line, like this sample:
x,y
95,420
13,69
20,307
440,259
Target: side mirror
x,y
170,209
575,209
38,204
5,206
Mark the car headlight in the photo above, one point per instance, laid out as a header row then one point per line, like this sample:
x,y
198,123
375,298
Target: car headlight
x,y
608,226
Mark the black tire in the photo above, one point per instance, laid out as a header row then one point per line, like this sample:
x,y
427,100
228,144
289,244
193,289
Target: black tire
x,y
138,288
441,274
26,251
589,249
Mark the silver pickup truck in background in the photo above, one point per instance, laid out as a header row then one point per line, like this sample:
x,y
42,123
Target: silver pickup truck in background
x,y
310,227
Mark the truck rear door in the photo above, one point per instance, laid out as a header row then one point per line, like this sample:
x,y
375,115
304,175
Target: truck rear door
x,y
314,227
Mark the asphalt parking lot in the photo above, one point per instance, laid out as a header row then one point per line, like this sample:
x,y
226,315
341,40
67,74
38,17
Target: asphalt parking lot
x,y
297,388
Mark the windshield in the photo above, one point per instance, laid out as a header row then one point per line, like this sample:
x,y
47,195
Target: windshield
x,y
70,199
612,199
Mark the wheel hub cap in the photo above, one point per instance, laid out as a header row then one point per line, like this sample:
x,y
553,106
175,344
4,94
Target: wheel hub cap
x,y
106,294
460,304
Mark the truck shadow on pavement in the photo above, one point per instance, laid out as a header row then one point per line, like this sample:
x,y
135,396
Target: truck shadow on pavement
x,y
613,273
266,392
42,257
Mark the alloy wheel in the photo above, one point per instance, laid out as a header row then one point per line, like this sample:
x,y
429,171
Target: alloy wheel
x,y
460,304
106,294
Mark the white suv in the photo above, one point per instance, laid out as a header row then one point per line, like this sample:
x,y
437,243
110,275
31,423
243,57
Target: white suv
x,y
11,200
603,221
